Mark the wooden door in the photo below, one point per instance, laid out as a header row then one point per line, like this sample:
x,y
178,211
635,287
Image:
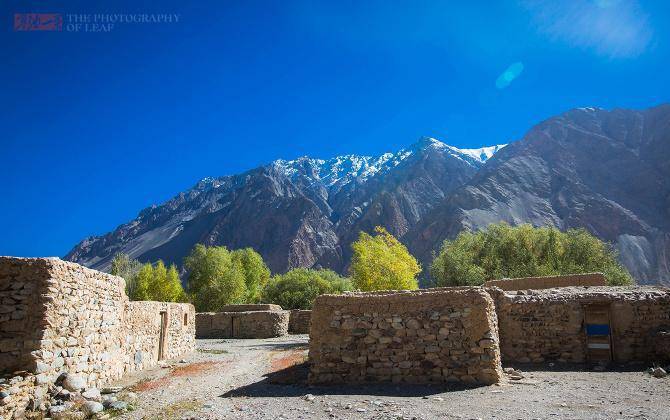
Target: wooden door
x,y
598,334
162,336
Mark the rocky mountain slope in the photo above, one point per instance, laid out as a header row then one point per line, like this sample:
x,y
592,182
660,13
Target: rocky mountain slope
x,y
607,171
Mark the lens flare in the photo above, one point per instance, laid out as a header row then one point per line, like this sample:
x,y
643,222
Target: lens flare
x,y
512,72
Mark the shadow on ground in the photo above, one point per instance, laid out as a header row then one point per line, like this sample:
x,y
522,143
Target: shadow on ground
x,y
292,382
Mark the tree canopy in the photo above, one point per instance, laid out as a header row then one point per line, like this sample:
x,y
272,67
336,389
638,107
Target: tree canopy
x,y
503,251
256,273
298,288
149,282
215,279
381,262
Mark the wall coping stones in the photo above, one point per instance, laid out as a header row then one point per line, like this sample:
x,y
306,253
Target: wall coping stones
x,y
547,282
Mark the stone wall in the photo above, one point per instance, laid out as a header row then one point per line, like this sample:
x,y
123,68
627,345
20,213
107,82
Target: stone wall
x,y
58,316
548,282
548,325
21,311
299,321
433,335
142,332
251,307
250,324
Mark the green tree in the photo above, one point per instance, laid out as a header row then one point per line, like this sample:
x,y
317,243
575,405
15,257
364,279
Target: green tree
x,y
381,262
256,273
142,281
503,251
126,267
298,288
158,283
215,279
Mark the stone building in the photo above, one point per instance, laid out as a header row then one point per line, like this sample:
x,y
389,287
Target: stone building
x,y
243,321
59,317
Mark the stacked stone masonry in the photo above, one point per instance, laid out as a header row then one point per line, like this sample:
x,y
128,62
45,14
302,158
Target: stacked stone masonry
x,y
548,282
548,325
424,336
299,321
243,321
57,316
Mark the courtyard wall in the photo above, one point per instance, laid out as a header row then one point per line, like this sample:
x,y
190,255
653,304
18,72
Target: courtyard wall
x,y
422,336
548,325
243,324
299,321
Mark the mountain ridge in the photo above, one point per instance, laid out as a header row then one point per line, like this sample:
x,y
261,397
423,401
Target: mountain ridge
x,y
577,169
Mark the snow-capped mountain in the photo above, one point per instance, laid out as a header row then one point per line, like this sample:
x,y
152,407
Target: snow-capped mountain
x,y
606,171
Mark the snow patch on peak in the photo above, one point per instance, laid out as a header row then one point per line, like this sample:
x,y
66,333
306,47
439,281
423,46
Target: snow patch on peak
x,y
481,154
340,170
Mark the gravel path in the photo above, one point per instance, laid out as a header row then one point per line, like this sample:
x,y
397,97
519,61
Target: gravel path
x,y
244,379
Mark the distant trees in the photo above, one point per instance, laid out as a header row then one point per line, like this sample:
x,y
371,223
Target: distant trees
x,y
215,279
298,288
256,273
126,267
503,251
149,282
381,262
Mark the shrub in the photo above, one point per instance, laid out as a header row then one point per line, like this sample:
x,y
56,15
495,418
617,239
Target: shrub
x,y
298,288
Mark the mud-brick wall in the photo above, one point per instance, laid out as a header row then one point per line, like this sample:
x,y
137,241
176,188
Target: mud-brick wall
x,y
251,324
548,325
434,335
548,282
142,332
299,321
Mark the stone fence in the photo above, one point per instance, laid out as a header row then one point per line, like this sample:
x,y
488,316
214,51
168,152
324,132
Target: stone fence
x,y
244,323
548,282
433,335
299,321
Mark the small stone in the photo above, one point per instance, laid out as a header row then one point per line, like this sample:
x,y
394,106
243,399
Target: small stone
x,y
361,410
121,406
308,397
3,394
111,390
92,407
91,394
74,383
56,410
438,399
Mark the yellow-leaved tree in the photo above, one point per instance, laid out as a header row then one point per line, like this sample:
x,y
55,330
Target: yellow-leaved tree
x,y
381,262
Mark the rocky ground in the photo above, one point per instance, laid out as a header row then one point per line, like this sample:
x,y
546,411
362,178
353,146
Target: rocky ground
x,y
254,379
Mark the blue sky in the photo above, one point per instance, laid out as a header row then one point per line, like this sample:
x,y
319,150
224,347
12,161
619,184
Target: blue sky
x,y
97,126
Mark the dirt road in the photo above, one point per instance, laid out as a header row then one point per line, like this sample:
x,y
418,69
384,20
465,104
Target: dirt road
x,y
246,379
